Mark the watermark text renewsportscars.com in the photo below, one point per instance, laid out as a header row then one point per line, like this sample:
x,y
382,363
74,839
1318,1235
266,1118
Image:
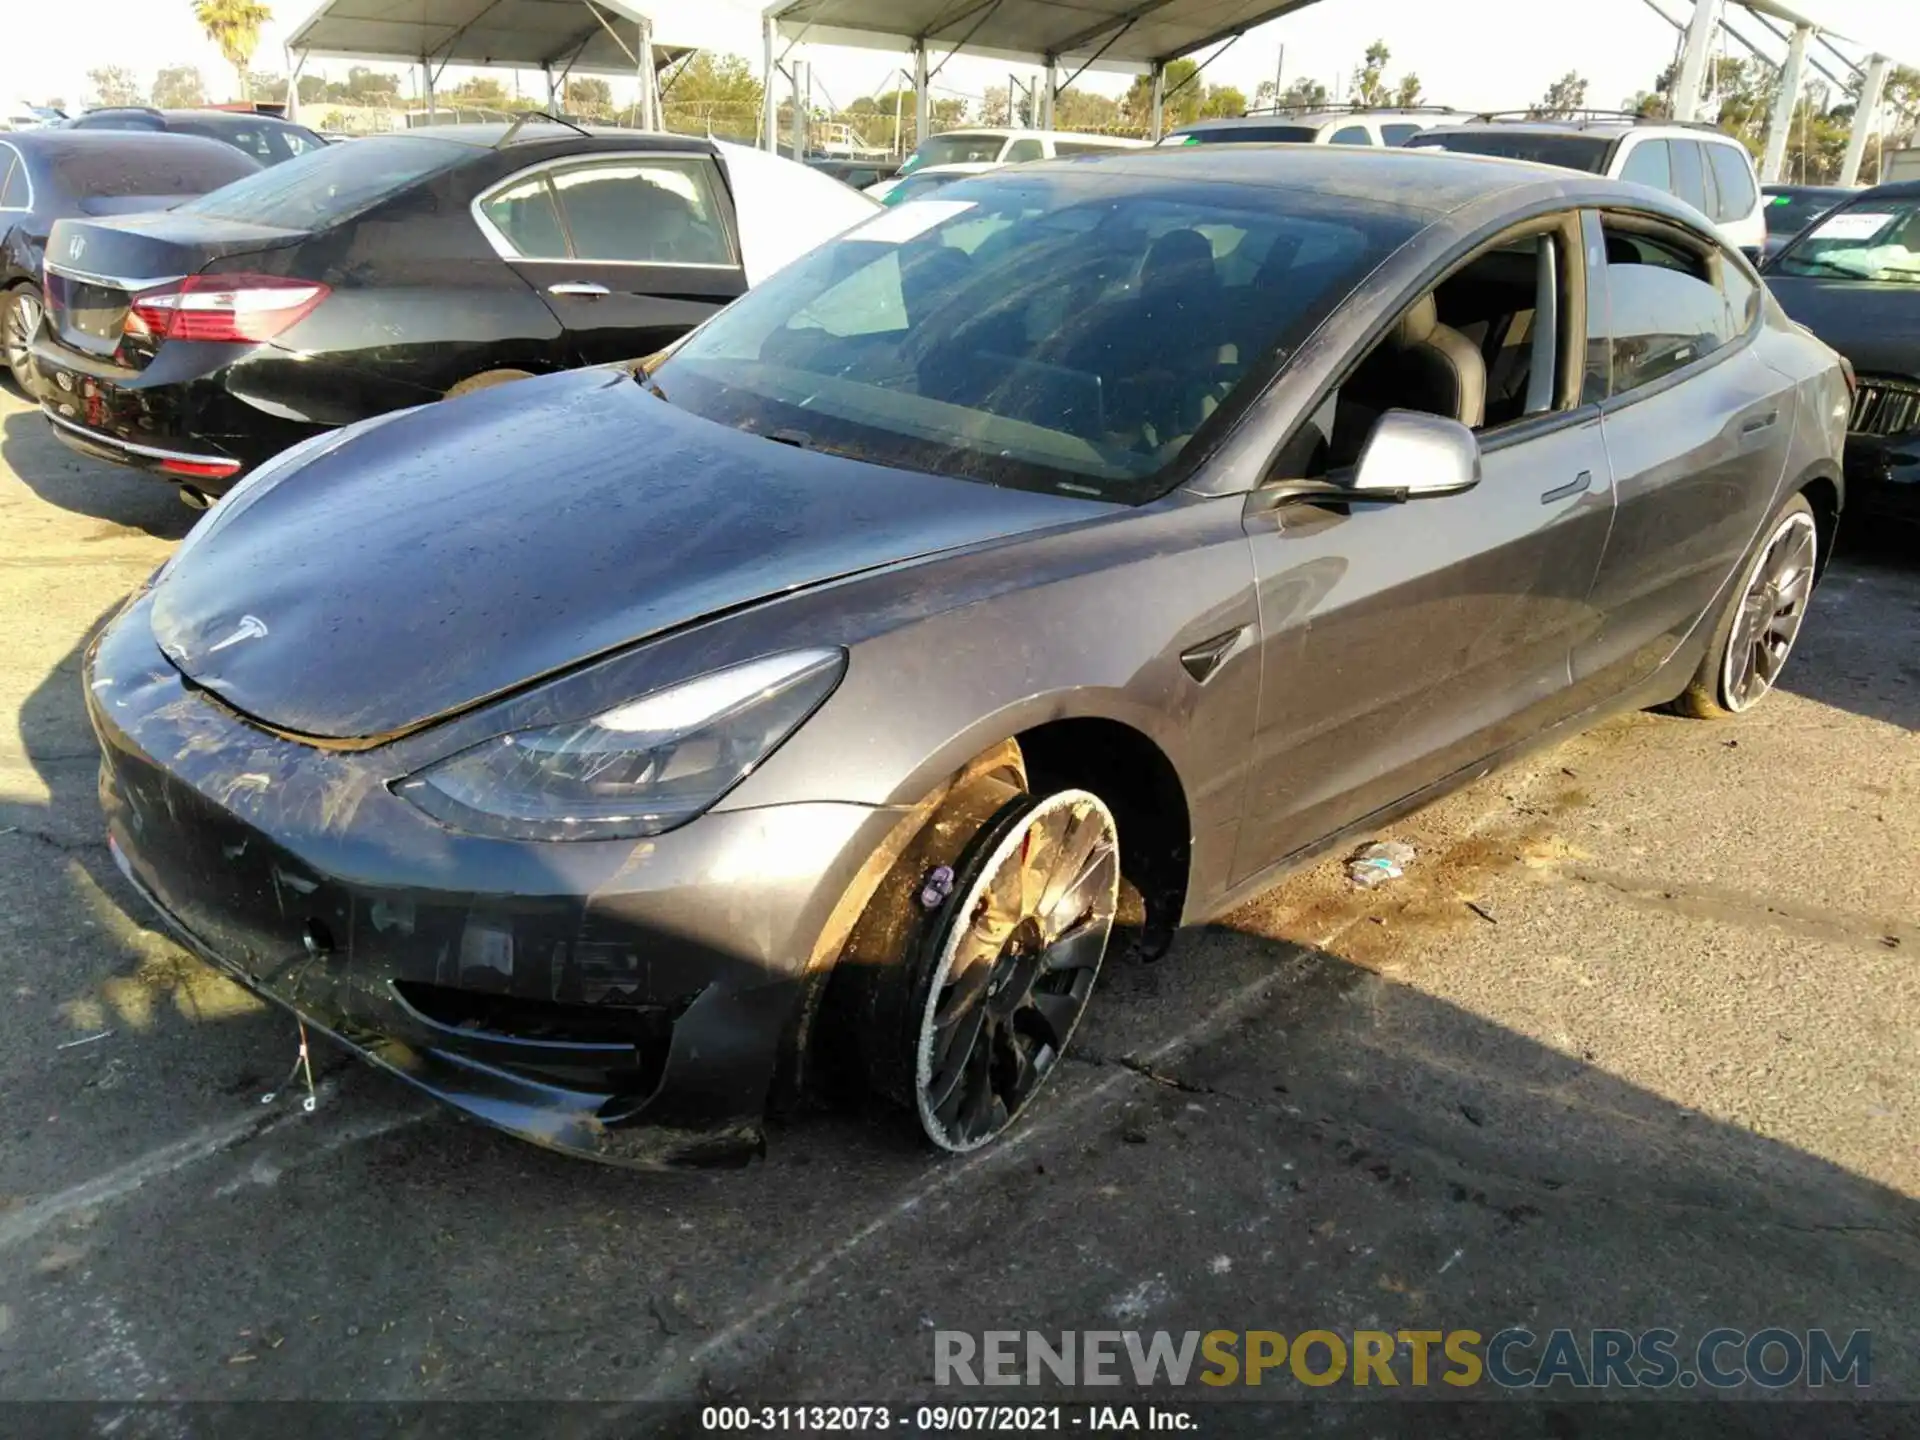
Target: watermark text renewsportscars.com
x,y
1771,1358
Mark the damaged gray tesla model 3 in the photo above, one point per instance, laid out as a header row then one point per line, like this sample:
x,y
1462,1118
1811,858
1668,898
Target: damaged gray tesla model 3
x,y
603,752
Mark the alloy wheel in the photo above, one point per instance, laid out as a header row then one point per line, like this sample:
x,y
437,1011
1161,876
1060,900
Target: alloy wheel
x,y
23,319
1771,612
1026,931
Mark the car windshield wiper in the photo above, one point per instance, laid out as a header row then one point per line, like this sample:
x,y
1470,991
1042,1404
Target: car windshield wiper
x,y
1842,271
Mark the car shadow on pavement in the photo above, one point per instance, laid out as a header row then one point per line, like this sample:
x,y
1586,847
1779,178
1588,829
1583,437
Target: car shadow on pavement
x,y
86,486
1856,653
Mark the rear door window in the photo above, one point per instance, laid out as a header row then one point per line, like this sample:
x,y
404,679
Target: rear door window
x,y
1649,163
1690,175
1398,134
1668,308
1351,135
1735,179
1024,149
642,209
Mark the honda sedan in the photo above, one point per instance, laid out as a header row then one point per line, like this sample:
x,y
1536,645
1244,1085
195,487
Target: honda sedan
x,y
361,279
604,753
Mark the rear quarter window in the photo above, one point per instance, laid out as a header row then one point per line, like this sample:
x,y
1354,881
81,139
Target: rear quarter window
x,y
1733,175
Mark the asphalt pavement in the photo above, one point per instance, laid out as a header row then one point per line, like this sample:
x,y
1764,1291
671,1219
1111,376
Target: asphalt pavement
x,y
1633,1043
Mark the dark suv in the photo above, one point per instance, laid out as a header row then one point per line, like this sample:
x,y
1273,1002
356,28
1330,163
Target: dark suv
x,y
266,138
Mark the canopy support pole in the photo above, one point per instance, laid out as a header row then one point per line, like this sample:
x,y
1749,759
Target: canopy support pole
x,y
1158,125
921,107
1693,59
769,99
799,110
426,78
294,68
1871,90
650,118
1780,127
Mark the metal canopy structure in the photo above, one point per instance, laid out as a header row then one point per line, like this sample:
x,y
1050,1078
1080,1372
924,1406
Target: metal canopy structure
x,y
1133,37
559,37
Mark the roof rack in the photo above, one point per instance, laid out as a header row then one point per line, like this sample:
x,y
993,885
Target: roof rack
x,y
1586,117
140,109
1346,108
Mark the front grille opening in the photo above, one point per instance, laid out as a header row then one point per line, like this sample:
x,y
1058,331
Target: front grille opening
x,y
545,1022
607,1049
1883,406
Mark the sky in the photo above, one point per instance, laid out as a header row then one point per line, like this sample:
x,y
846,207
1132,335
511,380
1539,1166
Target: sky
x,y
1618,45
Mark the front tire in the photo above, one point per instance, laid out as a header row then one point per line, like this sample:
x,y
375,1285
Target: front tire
x,y
961,1001
1761,621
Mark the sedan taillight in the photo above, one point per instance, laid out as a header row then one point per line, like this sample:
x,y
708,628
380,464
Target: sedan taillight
x,y
224,309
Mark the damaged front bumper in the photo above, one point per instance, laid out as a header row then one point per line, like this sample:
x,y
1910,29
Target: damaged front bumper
x,y
626,1001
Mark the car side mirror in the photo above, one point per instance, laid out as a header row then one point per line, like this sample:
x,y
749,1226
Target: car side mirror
x,y
1412,456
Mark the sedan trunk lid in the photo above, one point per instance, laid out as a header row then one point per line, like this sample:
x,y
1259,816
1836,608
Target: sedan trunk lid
x,y
458,551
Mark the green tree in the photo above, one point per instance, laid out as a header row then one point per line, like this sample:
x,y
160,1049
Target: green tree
x,y
179,87
1564,96
112,85
313,89
267,85
482,90
1302,94
589,96
1369,86
234,25
1407,93
714,93
1086,110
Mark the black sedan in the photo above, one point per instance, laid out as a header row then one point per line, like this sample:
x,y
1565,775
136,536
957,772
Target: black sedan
x,y
1854,280
50,175
599,753
1790,209
360,279
267,138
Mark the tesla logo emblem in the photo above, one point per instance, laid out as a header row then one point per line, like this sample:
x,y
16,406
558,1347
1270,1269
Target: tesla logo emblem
x,y
251,627
76,247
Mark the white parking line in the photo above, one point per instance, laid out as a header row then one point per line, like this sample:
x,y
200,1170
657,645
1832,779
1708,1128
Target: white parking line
x,y
671,1382
210,1140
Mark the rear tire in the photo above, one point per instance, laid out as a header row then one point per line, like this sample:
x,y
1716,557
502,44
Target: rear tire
x,y
486,380
1761,619
20,312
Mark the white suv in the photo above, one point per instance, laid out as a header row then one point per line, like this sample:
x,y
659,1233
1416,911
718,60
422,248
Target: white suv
x,y
1318,127
990,148
1707,168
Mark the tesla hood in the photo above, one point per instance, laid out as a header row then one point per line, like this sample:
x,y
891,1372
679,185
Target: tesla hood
x,y
462,549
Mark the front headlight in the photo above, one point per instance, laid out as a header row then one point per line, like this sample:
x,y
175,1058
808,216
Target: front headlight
x,y
640,769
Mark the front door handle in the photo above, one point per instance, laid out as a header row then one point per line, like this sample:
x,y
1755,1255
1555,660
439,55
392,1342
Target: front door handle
x,y
1759,423
578,287
1573,487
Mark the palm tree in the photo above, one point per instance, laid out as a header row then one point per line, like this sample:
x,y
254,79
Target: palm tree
x,y
233,25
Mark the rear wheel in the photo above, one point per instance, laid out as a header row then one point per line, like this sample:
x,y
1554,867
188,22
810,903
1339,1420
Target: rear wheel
x,y
20,312
1762,619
